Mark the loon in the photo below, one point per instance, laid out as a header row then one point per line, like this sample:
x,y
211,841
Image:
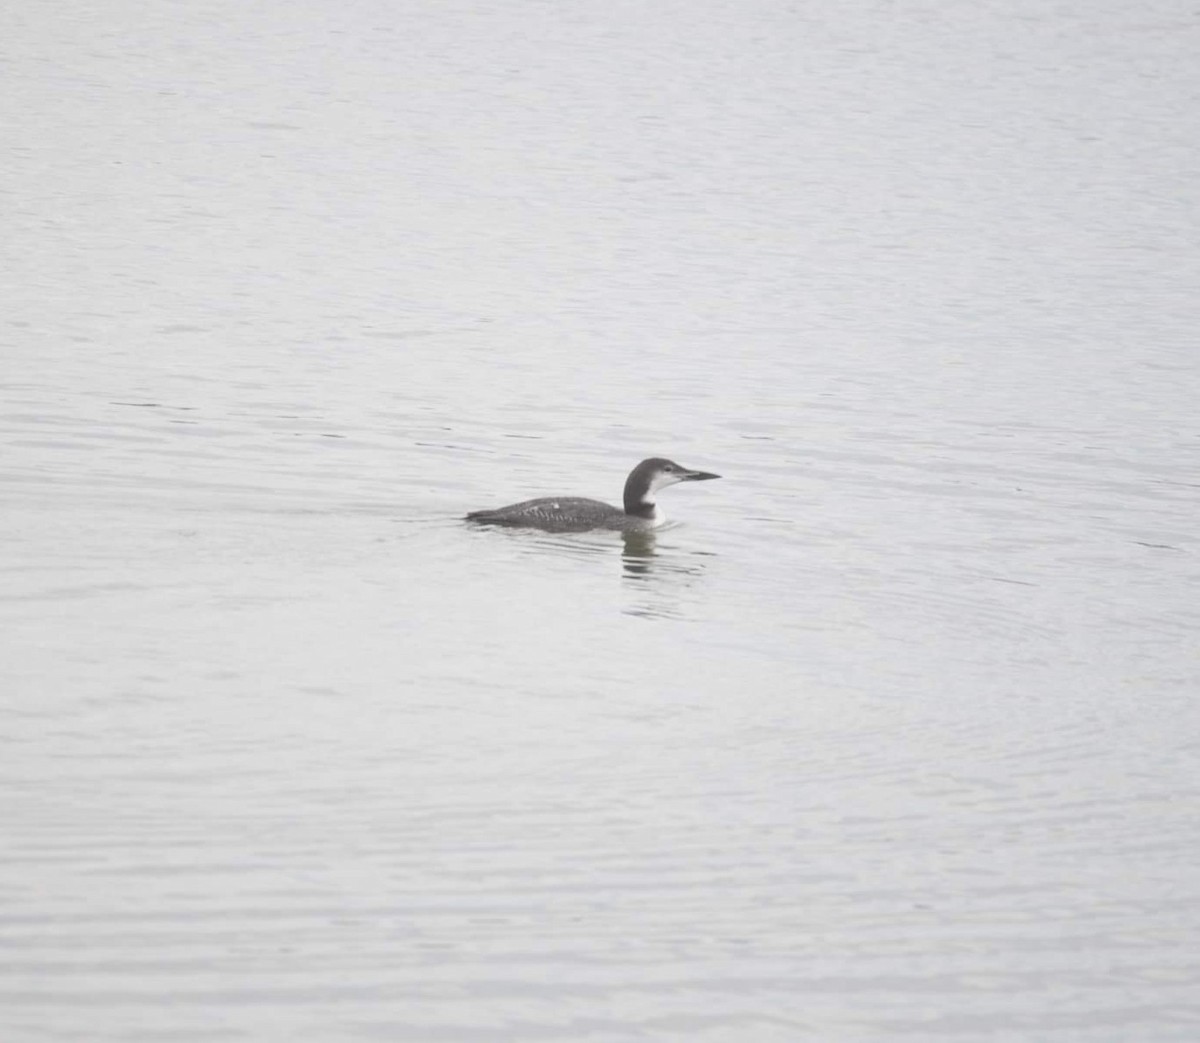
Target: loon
x,y
578,514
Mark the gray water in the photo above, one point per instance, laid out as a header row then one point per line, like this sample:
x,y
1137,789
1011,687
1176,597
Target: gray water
x,y
892,735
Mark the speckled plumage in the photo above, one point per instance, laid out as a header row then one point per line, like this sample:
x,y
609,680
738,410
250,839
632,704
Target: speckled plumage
x,y
562,514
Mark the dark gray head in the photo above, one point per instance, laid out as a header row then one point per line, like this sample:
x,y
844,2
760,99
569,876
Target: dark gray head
x,y
651,475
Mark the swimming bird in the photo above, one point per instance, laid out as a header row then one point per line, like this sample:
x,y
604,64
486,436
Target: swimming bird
x,y
578,514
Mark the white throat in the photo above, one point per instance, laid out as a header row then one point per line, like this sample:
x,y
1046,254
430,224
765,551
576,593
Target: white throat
x,y
657,515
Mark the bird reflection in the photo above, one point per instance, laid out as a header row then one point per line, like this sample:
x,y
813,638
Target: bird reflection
x,y
638,556
657,575
661,576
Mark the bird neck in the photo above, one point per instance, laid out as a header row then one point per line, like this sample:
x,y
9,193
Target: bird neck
x,y
641,506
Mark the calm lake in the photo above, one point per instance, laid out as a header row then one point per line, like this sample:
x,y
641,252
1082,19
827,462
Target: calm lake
x,y
892,734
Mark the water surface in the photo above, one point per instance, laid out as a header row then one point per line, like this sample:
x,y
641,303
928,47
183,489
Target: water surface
x,y
892,735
